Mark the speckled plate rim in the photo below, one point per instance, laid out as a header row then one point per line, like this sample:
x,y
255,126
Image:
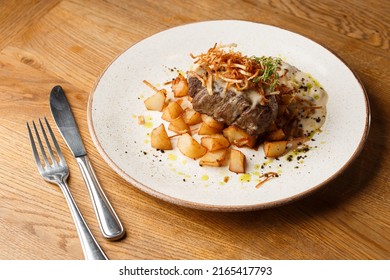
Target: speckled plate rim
x,y
223,208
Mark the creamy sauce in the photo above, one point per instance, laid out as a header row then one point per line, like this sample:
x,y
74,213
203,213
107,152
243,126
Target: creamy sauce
x,y
307,89
254,97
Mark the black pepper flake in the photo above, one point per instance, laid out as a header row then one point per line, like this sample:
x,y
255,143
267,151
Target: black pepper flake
x,y
303,88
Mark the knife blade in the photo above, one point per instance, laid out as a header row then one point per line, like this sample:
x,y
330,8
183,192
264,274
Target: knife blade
x,y
64,119
109,223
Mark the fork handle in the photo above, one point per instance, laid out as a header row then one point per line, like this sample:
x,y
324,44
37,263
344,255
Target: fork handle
x,y
109,223
91,248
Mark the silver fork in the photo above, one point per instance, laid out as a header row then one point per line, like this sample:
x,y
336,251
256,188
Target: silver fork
x,y
55,171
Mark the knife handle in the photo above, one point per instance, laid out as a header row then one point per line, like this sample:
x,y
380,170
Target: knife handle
x,y
109,223
91,248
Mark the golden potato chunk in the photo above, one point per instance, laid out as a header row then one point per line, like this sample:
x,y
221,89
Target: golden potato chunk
x,y
237,161
276,135
211,122
215,142
156,102
275,149
180,86
192,117
160,139
205,129
239,137
189,147
179,126
215,158
172,111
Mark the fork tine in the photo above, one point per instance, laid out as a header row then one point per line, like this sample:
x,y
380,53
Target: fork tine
x,y
49,149
34,149
40,145
60,155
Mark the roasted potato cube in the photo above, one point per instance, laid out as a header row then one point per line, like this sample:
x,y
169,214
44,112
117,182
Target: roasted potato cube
x,y
205,129
189,147
172,111
276,135
211,122
275,149
215,158
179,126
160,139
192,117
156,102
237,161
239,137
215,142
180,86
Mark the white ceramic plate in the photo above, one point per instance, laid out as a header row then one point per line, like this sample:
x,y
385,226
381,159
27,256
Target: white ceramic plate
x,y
117,101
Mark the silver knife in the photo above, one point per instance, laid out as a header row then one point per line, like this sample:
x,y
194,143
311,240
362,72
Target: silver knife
x,y
109,223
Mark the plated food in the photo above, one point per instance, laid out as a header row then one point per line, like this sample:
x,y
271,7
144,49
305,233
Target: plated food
x,y
121,127
237,101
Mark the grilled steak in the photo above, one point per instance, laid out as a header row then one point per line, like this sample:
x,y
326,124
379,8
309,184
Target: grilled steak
x,y
232,107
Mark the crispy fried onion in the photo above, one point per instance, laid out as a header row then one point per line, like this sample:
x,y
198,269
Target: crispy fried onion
x,y
265,177
238,71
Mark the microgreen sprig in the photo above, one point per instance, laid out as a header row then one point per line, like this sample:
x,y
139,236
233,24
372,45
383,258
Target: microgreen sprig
x,y
269,75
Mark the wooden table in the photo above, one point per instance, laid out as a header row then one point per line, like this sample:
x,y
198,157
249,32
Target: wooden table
x,y
44,43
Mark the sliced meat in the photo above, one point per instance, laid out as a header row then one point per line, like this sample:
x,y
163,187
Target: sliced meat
x,y
233,108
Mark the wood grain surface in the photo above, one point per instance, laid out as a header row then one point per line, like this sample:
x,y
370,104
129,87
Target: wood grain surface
x,y
69,42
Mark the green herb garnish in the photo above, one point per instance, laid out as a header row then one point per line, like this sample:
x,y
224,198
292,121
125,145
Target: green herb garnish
x,y
269,74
